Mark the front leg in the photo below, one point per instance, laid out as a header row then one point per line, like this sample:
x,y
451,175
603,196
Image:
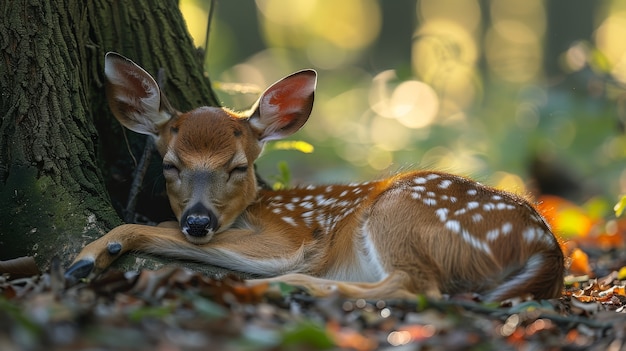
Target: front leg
x,y
99,254
242,250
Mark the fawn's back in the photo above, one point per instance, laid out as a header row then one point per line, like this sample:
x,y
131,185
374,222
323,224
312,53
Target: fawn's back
x,y
447,232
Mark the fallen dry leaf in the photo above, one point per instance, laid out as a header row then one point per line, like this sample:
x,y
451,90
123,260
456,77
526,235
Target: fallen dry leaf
x,y
19,267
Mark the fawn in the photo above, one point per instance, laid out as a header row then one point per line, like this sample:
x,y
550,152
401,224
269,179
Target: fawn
x,y
416,232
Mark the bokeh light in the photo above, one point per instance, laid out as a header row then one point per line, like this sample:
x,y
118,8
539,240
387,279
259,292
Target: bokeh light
x,y
609,38
513,43
456,85
328,32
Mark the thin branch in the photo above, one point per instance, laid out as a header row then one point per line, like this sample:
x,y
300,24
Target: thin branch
x,y
141,168
208,29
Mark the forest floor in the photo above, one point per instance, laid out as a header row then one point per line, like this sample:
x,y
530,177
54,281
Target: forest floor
x,y
176,309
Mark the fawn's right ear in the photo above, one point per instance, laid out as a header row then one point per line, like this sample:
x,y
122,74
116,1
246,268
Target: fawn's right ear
x,y
134,96
285,106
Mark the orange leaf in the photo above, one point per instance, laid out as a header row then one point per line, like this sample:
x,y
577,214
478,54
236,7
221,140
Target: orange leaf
x,y
580,263
565,218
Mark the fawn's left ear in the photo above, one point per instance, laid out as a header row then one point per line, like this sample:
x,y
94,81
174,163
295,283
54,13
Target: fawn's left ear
x,y
134,96
285,106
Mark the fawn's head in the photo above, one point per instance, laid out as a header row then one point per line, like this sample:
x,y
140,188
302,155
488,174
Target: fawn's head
x,y
208,153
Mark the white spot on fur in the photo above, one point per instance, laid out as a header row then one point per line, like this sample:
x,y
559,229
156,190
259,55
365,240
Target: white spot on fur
x,y
326,202
445,184
472,192
307,204
419,188
442,213
289,220
488,207
277,211
454,226
475,242
343,203
506,228
472,205
459,212
531,234
432,176
419,180
308,221
477,217
501,206
429,202
493,234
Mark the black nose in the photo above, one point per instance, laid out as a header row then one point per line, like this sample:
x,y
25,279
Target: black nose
x,y
197,225
198,221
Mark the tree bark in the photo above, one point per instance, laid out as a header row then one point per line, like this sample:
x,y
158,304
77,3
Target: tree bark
x,y
60,147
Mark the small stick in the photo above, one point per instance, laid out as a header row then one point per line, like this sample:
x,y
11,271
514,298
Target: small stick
x,y
142,166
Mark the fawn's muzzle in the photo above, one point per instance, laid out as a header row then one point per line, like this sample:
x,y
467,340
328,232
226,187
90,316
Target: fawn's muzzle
x,y
198,221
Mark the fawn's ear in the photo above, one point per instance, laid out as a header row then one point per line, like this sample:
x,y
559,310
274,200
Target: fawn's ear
x,y
285,106
134,96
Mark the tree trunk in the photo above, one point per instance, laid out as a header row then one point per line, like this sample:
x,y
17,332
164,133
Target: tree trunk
x,y
60,147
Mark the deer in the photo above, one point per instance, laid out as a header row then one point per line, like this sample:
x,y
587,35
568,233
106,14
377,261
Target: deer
x,y
416,232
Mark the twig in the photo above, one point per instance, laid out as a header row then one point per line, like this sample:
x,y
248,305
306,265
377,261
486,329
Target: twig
x,y
142,166
208,29
138,176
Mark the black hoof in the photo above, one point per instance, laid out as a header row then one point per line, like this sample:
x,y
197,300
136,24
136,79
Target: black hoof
x,y
114,248
79,270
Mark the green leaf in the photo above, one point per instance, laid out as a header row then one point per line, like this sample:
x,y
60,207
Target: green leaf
x,y
309,334
283,179
422,302
620,206
297,145
284,288
597,207
208,308
157,312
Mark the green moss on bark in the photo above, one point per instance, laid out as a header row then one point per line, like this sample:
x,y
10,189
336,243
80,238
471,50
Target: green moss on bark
x,y
43,220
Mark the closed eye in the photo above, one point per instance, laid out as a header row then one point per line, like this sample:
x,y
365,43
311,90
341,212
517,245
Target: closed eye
x,y
240,169
168,167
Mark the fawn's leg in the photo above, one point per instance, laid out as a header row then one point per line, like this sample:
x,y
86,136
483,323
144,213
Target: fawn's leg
x,y
99,254
392,287
242,250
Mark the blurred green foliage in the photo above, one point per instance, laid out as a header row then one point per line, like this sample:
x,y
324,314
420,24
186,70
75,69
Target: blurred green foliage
x,y
504,91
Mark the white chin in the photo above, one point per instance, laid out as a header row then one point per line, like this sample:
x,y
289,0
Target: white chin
x,y
199,240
